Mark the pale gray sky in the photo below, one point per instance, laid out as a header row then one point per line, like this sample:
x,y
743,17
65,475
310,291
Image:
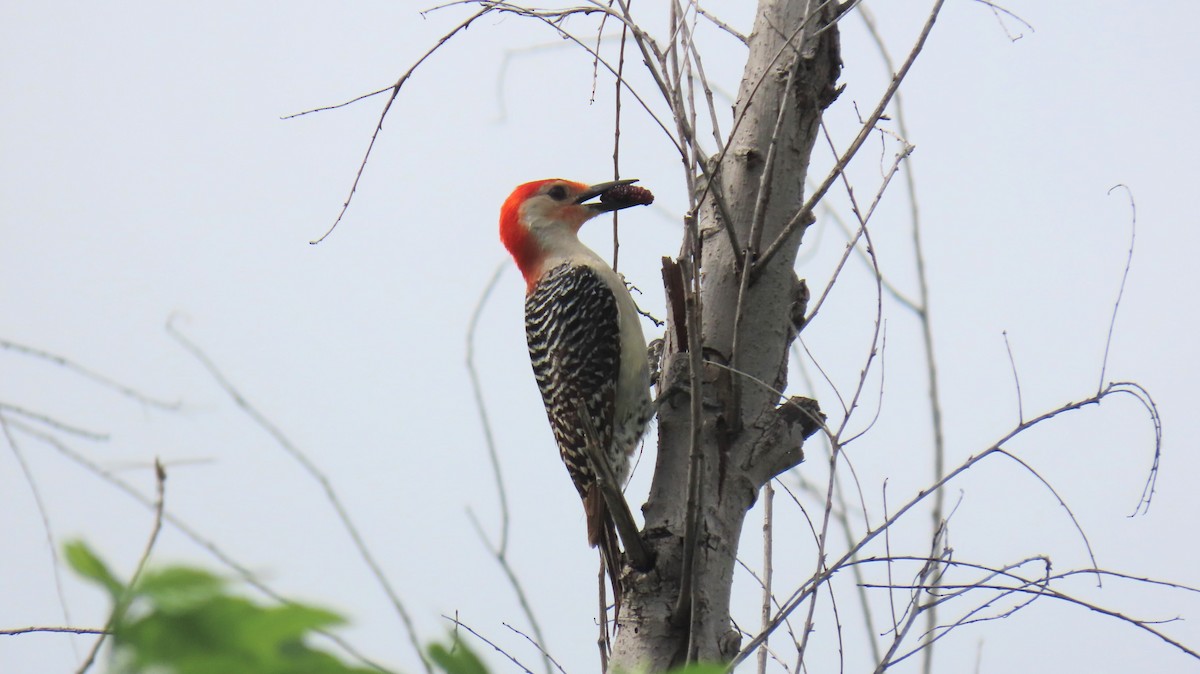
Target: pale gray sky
x,y
145,173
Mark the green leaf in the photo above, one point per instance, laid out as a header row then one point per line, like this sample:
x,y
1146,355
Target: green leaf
x,y
292,621
179,588
186,621
457,659
87,564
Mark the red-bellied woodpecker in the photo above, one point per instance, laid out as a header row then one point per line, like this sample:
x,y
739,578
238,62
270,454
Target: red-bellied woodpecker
x,y
585,340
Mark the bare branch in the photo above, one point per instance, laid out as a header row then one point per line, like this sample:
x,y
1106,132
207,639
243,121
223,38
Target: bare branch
x,y
722,25
822,577
616,126
805,212
922,310
768,498
915,609
1043,587
183,527
317,474
52,630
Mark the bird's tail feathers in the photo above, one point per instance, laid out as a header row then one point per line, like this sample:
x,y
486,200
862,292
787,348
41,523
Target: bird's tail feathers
x,y
602,533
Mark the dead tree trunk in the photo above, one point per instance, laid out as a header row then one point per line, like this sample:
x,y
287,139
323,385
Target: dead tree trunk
x,y
747,317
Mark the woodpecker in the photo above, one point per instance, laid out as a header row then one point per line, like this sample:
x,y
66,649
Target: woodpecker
x,y
585,339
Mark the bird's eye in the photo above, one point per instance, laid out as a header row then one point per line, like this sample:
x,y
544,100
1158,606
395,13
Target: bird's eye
x,y
557,193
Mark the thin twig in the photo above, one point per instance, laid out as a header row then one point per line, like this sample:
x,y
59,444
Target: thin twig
x,y
481,408
44,514
335,106
1124,277
1087,544
828,212
997,10
890,566
395,88
654,61
882,388
822,539
1143,396
816,420
842,516
127,391
875,337
824,375
500,552
835,440
53,423
650,57
121,603
538,646
863,600
774,600
515,583
852,244
489,642
708,92
1016,378
596,62
553,20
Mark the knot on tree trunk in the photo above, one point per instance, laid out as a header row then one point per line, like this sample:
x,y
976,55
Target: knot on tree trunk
x,y
780,438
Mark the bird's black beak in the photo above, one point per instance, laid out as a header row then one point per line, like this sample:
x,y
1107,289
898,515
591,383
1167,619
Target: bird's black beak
x,y
599,190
